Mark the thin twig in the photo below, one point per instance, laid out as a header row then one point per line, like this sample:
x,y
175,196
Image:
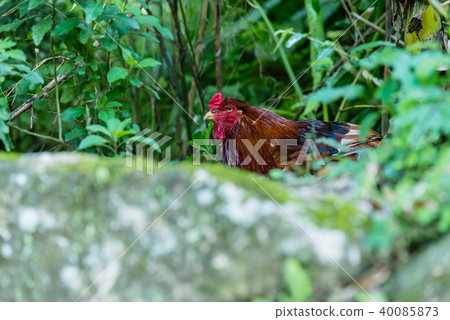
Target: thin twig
x,y
49,133
375,27
338,64
362,106
34,134
58,107
351,20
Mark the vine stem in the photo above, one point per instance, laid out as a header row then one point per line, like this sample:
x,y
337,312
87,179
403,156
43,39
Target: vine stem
x,y
58,107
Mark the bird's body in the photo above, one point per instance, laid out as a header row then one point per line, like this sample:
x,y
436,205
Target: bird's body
x,y
259,140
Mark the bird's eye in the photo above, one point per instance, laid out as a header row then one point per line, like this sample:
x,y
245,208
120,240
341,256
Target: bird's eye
x,y
215,111
229,109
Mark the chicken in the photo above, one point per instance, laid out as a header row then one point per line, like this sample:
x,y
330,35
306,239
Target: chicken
x,y
259,140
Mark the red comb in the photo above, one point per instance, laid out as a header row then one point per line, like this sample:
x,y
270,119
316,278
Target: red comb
x,y
215,101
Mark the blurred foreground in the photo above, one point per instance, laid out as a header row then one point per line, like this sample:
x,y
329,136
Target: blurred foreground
x,y
204,233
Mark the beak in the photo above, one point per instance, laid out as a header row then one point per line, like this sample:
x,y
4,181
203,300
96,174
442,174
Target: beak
x,y
208,116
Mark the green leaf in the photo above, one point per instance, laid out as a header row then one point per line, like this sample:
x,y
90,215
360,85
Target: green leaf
x,y
328,95
75,133
13,25
116,74
106,114
34,3
91,141
123,133
150,21
316,30
15,54
107,43
113,104
85,35
155,93
367,123
149,62
65,26
165,32
130,56
135,82
6,44
92,11
133,10
116,126
40,29
40,104
371,45
123,20
30,82
99,129
311,105
70,93
154,22
149,36
72,113
209,129
23,8
296,37
297,281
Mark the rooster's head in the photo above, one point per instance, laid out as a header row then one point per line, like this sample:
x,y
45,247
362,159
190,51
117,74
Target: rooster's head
x,y
224,114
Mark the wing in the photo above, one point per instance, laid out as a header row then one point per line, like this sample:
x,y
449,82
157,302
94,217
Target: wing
x,y
310,145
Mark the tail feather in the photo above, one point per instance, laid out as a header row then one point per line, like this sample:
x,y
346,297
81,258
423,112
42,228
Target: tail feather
x,y
353,141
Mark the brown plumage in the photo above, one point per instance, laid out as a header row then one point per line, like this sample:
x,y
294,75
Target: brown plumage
x,y
241,126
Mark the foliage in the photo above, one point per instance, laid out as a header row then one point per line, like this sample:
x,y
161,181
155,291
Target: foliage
x,y
102,46
409,174
297,281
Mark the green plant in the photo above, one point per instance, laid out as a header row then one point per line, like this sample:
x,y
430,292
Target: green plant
x,y
113,132
298,283
4,129
203,148
408,175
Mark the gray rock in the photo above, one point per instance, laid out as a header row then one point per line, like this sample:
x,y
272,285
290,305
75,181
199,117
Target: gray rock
x,y
75,226
426,277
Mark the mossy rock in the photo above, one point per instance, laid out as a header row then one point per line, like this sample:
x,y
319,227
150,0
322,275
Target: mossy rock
x,y
188,233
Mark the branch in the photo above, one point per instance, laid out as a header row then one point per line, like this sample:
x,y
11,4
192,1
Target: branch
x,y
41,136
184,49
351,20
199,50
49,87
